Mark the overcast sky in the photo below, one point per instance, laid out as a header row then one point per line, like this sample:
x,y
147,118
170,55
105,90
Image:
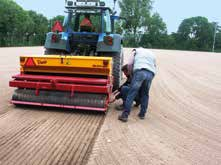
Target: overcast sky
x,y
172,11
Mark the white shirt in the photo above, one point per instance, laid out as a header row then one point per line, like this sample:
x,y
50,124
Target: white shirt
x,y
144,59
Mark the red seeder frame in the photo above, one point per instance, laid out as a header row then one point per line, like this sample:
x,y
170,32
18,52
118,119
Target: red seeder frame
x,y
63,83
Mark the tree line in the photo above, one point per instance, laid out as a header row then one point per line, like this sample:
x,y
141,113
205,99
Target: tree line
x,y
19,27
142,27
148,30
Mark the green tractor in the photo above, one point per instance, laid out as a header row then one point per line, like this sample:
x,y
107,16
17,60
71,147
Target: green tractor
x,y
98,39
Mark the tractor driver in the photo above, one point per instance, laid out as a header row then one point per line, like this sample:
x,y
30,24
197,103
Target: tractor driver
x,y
86,24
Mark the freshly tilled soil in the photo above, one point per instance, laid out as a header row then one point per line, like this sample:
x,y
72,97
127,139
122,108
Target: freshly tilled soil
x,y
183,124
36,135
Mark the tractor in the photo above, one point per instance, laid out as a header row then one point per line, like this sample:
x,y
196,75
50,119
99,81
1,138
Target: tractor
x,y
99,41
81,65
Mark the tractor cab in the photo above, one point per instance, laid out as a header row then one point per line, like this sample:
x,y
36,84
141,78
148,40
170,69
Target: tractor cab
x,y
87,30
86,24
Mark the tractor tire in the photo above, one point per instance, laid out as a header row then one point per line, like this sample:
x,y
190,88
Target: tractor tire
x,y
117,65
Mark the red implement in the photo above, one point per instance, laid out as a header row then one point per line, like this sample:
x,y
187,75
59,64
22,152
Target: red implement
x,y
65,84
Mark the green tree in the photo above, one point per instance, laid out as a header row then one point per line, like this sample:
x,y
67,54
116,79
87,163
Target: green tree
x,y
137,13
19,27
118,27
155,33
13,22
195,33
171,41
38,27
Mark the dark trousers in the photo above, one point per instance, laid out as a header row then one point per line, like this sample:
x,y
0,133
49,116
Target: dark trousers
x,y
141,81
124,92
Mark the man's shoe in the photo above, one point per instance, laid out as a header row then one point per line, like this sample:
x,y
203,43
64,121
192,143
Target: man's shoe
x,y
119,107
137,104
141,116
123,117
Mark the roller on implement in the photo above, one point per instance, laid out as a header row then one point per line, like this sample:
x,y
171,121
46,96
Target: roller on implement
x,y
64,81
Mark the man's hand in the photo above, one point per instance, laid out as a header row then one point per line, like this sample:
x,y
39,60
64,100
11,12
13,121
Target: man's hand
x,y
113,96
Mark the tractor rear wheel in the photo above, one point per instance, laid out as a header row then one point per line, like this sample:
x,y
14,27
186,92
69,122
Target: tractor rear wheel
x,y
117,64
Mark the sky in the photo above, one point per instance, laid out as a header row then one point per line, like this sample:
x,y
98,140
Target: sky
x,y
173,12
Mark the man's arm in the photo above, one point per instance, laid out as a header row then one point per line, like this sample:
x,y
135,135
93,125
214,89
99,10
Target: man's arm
x,y
131,62
113,96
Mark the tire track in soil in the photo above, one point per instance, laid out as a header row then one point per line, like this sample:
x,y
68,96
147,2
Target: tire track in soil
x,y
73,138
78,155
57,138
73,148
41,135
34,141
19,122
55,153
21,138
65,133
12,141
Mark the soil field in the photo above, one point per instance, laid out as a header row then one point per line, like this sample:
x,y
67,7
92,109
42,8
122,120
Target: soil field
x,y
183,125
33,135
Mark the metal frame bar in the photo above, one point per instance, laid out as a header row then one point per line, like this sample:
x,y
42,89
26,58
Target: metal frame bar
x,y
59,86
72,84
66,79
59,106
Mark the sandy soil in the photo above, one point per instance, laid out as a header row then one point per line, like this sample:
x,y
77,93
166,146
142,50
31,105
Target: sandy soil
x,y
33,135
183,125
